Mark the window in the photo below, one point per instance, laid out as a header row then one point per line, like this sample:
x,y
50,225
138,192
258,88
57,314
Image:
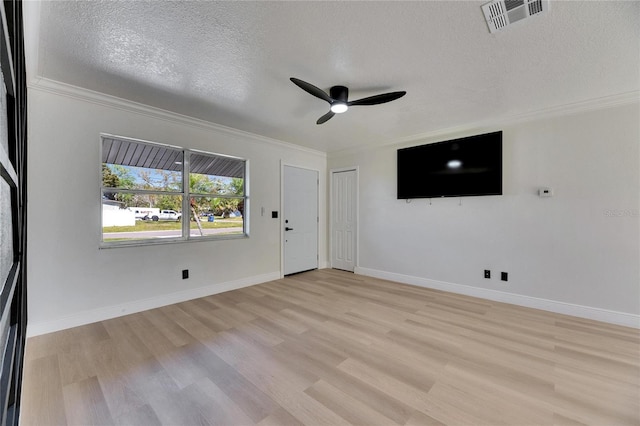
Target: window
x,y
154,193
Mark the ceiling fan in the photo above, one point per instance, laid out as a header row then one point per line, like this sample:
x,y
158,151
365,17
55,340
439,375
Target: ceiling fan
x,y
338,98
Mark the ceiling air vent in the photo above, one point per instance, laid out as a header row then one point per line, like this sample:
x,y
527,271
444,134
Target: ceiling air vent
x,y
502,13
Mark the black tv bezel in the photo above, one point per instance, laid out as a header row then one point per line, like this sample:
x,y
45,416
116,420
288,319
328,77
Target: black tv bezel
x,y
447,142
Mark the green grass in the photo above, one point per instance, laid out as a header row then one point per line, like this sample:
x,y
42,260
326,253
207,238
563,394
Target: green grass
x,y
148,225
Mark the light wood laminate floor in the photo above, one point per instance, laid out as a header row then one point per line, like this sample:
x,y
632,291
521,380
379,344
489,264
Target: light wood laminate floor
x,y
332,348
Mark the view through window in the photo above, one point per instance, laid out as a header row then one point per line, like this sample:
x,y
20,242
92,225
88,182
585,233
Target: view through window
x,y
154,193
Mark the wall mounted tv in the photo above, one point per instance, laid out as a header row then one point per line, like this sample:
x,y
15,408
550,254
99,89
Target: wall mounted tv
x,y
457,168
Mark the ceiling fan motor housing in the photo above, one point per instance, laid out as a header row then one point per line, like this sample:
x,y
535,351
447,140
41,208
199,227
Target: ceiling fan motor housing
x,y
339,94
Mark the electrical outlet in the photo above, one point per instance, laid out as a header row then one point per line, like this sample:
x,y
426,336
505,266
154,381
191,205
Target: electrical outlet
x,y
185,274
504,276
487,273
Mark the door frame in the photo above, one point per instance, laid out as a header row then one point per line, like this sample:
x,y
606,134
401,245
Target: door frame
x,y
284,164
357,192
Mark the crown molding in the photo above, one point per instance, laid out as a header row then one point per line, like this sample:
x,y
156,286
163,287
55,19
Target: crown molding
x,y
492,124
74,92
86,95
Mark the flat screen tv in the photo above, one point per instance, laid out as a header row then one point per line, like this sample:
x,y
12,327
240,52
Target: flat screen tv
x,y
457,168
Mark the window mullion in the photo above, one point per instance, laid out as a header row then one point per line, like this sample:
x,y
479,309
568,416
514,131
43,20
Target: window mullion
x,y
245,197
139,191
186,199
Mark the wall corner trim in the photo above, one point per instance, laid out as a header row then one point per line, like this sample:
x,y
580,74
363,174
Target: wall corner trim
x,y
596,314
108,312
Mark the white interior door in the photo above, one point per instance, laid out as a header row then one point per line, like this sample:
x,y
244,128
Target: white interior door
x,y
300,220
344,218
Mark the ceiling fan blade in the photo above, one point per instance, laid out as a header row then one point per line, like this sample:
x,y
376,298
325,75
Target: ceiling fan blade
x,y
311,89
378,99
325,117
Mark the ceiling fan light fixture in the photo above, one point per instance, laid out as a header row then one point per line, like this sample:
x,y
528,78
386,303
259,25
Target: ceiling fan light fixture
x,y
338,98
339,107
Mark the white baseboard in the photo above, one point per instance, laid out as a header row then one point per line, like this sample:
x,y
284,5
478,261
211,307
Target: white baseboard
x,y
108,312
597,314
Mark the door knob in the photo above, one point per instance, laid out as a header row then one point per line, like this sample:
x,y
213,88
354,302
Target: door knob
x,y
288,229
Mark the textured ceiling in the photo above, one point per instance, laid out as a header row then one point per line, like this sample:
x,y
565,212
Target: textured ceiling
x,y
230,62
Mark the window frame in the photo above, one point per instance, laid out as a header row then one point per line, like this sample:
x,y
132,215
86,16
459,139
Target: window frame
x,y
13,172
185,193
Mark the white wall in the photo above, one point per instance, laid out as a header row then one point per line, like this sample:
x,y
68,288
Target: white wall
x,y
72,281
579,248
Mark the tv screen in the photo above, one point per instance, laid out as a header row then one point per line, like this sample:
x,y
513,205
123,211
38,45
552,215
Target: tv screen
x,y
456,168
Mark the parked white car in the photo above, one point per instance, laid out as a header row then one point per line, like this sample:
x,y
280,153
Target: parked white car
x,y
166,215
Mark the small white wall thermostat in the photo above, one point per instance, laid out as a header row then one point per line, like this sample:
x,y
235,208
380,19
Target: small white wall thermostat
x,y
545,192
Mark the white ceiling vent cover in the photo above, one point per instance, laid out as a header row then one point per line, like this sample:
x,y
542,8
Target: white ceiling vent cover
x,y
502,13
